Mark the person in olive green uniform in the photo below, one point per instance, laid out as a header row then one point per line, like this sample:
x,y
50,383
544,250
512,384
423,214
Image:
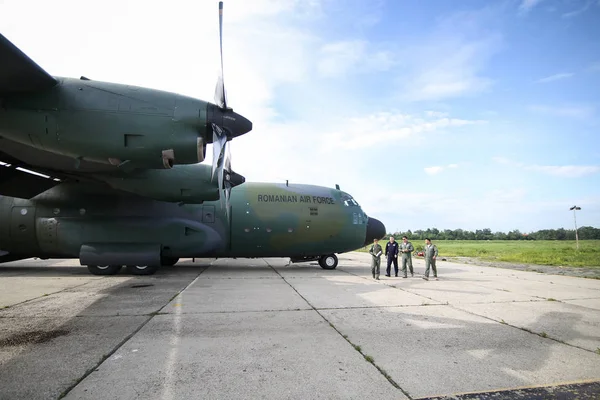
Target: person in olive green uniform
x,y
406,248
375,252
430,252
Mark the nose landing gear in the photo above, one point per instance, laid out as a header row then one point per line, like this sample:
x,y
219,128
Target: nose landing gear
x,y
329,261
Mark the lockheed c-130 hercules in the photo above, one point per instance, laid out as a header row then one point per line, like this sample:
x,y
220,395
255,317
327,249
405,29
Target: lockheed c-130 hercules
x,y
112,175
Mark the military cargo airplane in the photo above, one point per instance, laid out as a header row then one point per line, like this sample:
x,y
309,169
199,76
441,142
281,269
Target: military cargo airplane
x,y
112,175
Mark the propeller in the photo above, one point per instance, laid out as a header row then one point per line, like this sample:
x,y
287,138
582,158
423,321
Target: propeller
x,y
225,125
220,95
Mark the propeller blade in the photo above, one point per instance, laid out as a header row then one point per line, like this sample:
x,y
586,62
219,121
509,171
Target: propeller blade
x,y
227,157
220,99
219,142
227,196
220,95
221,185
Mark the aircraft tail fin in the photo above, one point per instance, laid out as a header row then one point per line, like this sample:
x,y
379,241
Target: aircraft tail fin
x,y
18,73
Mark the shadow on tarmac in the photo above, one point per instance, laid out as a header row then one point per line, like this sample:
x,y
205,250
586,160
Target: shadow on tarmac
x,y
144,296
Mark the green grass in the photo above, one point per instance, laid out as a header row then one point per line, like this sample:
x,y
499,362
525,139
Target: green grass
x,y
542,252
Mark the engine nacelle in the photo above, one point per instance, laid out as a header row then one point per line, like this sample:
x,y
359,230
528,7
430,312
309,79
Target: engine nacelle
x,y
190,184
109,123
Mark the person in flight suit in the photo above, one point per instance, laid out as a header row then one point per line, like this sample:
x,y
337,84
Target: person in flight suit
x,y
430,252
391,251
406,248
376,252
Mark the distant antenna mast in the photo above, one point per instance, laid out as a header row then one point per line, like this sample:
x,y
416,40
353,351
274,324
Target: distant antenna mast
x,y
575,208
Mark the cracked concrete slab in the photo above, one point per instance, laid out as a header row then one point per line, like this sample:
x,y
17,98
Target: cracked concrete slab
x,y
352,291
568,323
588,303
233,295
247,328
437,350
289,354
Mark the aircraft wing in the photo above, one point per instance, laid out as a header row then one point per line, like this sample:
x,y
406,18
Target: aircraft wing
x,y
18,73
18,179
22,180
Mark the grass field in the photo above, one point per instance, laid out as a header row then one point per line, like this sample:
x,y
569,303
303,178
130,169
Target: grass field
x,y
541,252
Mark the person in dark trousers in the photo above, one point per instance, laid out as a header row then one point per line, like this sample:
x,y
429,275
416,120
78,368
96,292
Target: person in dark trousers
x,y
391,251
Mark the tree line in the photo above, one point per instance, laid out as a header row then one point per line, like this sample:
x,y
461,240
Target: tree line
x,y
585,233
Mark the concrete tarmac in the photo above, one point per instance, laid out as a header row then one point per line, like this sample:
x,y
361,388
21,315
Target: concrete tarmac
x,y
260,328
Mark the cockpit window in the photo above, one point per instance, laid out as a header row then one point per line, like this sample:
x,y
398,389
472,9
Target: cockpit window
x,y
348,201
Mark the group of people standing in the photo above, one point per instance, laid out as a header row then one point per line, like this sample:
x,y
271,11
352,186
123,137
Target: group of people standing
x,y
392,249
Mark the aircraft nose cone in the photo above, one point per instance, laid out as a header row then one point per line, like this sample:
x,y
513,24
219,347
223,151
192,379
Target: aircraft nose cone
x,y
375,230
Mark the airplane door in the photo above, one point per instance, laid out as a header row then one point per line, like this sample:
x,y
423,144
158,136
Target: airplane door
x,y
22,230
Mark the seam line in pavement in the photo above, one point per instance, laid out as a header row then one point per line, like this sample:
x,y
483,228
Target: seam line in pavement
x,y
125,340
399,288
48,294
367,358
532,300
543,335
456,307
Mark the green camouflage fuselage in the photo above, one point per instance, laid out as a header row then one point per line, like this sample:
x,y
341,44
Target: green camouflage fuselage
x,y
265,220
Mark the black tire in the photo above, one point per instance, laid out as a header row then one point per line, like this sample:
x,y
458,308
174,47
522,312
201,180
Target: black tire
x,y
329,261
141,269
104,269
169,261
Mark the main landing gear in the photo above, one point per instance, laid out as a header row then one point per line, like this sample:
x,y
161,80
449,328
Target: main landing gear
x,y
329,261
104,269
131,269
114,269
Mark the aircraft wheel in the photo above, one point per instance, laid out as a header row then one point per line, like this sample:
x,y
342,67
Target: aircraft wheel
x,y
141,269
329,261
169,261
104,269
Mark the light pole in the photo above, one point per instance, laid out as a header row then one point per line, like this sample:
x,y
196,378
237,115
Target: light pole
x,y
575,208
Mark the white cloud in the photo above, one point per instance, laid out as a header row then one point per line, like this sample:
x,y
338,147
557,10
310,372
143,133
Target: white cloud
x,y
450,62
578,11
463,208
437,169
339,58
372,130
433,170
555,77
506,161
501,160
594,67
527,5
565,171
439,114
573,111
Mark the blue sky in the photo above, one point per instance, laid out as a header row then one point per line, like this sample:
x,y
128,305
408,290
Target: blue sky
x,y
442,114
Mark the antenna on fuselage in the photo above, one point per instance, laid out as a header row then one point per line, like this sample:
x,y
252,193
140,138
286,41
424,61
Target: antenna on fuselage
x,y
337,186
287,183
